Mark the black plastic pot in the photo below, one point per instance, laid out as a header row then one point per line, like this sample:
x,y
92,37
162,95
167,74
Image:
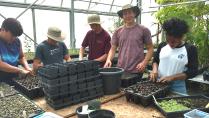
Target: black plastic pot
x,y
111,79
102,114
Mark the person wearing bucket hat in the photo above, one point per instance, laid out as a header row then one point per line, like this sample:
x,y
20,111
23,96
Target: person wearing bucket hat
x,y
130,40
11,52
52,50
97,39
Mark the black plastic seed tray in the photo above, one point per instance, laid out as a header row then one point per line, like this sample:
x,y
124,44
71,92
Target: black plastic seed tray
x,y
192,102
73,89
7,90
55,82
62,69
81,67
129,79
81,75
72,99
51,87
141,93
49,71
29,86
13,107
72,68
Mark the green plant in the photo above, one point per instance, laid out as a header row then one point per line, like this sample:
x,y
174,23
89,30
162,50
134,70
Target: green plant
x,y
172,106
197,17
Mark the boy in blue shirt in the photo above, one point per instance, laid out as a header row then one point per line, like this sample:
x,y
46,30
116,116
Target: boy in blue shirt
x,y
11,52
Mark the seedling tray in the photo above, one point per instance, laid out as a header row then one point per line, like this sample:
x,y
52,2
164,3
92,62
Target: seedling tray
x,y
129,79
7,90
191,102
72,68
142,92
72,90
62,69
29,86
49,71
14,106
71,100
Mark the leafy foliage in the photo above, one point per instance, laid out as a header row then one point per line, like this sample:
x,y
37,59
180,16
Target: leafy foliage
x,y
197,17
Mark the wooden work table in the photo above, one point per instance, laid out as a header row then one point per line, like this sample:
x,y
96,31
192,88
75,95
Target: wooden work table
x,y
116,103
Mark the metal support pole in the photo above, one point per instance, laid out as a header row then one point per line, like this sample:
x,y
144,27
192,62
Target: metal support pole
x,y
180,3
72,26
27,9
139,3
111,5
34,27
61,3
89,5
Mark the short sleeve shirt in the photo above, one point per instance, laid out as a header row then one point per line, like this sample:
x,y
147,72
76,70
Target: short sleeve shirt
x,y
49,54
99,44
130,42
9,53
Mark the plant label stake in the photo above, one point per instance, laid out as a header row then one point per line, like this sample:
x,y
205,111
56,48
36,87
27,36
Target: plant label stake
x,y
155,99
1,94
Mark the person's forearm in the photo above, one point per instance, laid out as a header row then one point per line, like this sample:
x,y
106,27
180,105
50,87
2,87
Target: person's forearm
x,y
24,63
180,76
8,68
81,53
111,53
149,54
102,58
155,68
67,58
36,64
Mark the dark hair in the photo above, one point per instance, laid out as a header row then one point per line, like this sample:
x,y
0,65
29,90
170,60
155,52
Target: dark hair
x,y
175,27
12,25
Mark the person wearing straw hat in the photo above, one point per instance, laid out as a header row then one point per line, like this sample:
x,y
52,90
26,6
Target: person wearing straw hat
x,y
130,40
52,50
97,39
11,52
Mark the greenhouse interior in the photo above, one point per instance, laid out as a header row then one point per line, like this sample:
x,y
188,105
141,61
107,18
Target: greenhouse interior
x,y
104,59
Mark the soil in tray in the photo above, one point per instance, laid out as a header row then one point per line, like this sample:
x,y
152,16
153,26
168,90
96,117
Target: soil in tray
x,y
15,106
174,105
146,88
29,82
7,90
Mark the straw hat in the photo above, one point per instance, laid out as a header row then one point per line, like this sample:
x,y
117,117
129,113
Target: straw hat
x,y
94,19
55,34
135,9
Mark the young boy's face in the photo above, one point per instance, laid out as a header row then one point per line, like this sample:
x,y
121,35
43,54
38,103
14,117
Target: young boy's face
x,y
7,35
95,27
128,16
173,41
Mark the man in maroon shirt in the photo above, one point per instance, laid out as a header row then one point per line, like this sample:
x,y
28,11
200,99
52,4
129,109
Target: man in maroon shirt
x,y
98,41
